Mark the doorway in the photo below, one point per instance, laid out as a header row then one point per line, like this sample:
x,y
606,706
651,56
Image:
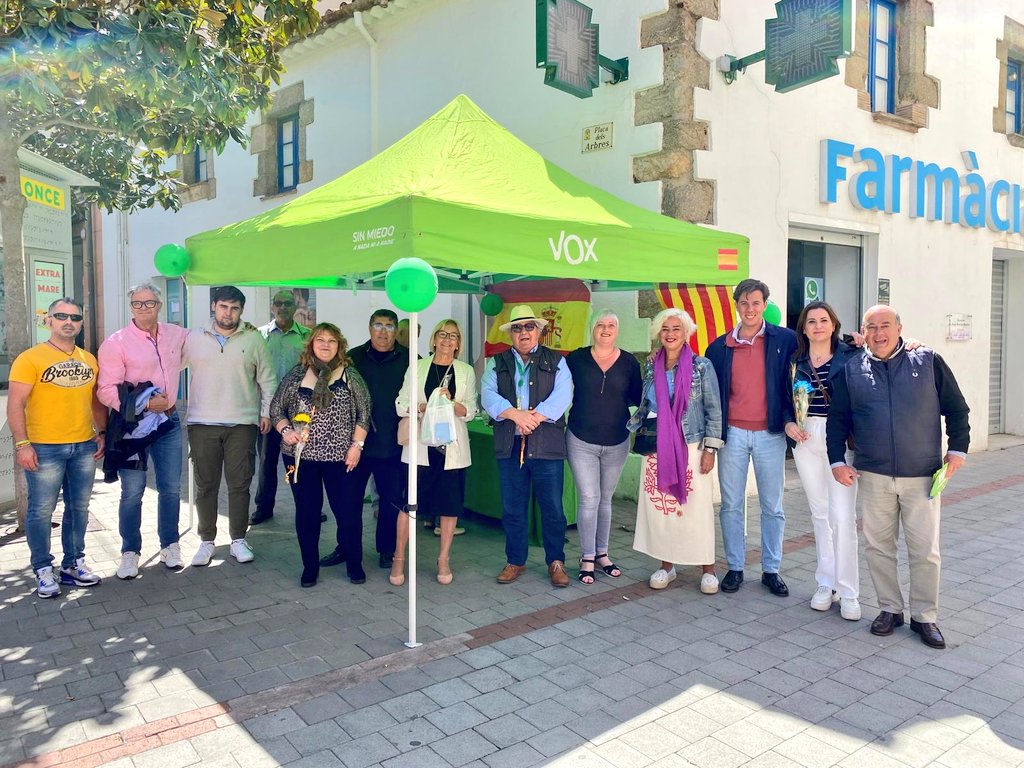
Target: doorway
x,y
825,266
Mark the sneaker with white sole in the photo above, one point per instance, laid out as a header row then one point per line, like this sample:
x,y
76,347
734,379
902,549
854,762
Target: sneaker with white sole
x,y
241,551
662,578
46,583
79,575
709,584
823,598
129,567
203,555
170,556
849,608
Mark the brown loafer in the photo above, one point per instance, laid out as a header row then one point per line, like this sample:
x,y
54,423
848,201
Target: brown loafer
x,y
510,573
885,623
559,578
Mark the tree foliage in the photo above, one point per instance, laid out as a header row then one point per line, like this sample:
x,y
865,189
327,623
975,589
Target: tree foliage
x,y
112,89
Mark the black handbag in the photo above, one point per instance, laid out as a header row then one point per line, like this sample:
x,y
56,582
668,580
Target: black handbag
x,y
645,439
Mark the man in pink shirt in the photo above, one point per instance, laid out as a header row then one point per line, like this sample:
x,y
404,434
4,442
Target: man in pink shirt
x,y
147,350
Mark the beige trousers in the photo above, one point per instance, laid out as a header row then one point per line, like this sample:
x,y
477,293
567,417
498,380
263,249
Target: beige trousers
x,y
889,502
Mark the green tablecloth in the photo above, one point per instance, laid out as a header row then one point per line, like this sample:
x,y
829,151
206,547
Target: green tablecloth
x,y
483,487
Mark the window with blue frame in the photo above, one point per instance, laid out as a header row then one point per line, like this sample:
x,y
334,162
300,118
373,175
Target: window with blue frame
x,y
1013,96
287,153
882,56
201,165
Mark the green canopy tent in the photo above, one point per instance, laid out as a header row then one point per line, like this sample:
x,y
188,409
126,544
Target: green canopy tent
x,y
478,205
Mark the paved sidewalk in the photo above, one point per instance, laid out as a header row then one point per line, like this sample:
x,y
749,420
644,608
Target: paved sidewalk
x,y
235,665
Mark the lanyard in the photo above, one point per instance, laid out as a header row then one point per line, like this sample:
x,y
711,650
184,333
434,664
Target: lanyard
x,y
522,376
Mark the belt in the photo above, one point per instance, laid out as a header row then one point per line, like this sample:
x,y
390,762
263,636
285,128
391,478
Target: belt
x,y
171,411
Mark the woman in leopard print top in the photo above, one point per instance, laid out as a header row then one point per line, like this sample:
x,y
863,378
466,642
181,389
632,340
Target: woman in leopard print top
x,y
324,387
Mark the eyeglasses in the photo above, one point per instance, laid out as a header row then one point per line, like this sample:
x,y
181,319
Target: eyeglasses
x,y
527,327
280,304
442,335
66,316
389,327
148,304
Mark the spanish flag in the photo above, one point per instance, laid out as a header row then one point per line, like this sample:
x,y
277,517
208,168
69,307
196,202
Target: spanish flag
x,y
563,302
711,307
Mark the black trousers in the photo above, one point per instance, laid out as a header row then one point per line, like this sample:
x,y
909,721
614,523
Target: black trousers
x,y
269,446
315,477
389,475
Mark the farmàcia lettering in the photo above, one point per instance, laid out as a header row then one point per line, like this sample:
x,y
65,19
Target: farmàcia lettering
x,y
895,184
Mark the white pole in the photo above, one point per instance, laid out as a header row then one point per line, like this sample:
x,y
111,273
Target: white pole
x,y
414,444
188,380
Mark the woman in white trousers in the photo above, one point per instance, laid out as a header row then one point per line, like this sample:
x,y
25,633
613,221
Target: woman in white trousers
x,y
820,357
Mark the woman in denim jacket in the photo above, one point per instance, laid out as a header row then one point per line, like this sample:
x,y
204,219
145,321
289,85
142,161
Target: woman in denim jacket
x,y
678,438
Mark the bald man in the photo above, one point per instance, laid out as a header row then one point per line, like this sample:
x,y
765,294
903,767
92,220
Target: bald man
x,y
892,401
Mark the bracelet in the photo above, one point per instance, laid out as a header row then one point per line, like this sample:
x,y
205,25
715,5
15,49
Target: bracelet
x,y
286,428
22,443
26,444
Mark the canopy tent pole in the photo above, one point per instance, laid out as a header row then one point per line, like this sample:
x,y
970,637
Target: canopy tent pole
x,y
188,380
414,440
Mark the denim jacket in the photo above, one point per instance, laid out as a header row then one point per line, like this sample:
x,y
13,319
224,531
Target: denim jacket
x,y
702,422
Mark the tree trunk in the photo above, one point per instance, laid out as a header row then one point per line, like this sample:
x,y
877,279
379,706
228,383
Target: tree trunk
x,y
12,220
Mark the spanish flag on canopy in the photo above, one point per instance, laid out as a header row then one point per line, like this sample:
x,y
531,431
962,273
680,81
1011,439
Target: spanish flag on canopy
x,y
711,307
563,302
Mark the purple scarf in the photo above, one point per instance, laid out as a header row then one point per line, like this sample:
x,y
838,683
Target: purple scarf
x,y
673,454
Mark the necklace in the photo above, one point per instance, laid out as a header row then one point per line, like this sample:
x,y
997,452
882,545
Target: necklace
x,y
818,360
69,354
593,351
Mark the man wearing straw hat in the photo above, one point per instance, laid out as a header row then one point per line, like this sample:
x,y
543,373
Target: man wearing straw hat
x,y
527,391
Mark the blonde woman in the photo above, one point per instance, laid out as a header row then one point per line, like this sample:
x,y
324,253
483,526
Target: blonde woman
x,y
442,471
681,431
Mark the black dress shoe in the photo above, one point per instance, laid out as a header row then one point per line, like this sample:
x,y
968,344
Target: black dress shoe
x,y
337,557
357,577
775,584
732,581
386,560
929,633
307,583
885,623
261,517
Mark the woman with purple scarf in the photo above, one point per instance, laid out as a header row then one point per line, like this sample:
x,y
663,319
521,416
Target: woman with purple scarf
x,y
680,418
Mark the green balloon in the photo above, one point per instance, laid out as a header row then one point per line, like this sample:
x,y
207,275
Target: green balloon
x,y
171,260
491,304
772,313
411,284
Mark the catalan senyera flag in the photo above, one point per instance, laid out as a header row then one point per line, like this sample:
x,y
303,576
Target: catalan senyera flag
x,y
563,302
711,306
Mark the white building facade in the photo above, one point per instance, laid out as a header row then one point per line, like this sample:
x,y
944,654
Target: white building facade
x,y
810,176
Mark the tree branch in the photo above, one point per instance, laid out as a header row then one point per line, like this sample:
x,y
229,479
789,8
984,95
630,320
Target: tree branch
x,y
59,121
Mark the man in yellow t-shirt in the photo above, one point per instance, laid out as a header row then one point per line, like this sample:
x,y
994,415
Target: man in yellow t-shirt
x,y
57,424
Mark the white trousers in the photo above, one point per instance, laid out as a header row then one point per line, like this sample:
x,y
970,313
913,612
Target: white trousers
x,y
833,513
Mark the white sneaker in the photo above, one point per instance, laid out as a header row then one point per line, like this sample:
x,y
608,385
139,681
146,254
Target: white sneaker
x,y
662,578
79,575
46,583
709,584
823,598
203,555
241,551
129,567
849,608
170,556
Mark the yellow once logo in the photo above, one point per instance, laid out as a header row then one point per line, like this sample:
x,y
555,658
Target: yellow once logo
x,y
42,193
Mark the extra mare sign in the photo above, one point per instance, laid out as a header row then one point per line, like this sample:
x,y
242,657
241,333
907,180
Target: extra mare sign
x,y
894,184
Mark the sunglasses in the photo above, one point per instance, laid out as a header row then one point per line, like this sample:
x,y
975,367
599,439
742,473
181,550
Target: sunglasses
x,y
62,316
280,304
527,327
383,327
148,304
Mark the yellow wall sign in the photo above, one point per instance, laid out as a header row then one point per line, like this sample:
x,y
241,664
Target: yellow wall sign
x,y
44,194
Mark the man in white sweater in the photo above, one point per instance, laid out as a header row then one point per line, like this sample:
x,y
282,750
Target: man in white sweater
x,y
232,384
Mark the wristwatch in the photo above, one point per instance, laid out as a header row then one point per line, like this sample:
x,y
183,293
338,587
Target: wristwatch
x,y
360,443
709,449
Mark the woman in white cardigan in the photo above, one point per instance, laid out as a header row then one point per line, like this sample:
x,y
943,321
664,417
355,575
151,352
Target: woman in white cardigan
x,y
442,471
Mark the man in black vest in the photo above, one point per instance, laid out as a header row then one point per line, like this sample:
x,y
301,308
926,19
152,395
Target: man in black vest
x,y
527,392
891,400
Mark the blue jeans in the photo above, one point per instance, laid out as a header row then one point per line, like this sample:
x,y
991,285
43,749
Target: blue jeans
x,y
70,466
165,459
546,477
596,469
768,452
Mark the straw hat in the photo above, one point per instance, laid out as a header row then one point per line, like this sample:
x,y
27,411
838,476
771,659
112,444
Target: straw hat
x,y
521,314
